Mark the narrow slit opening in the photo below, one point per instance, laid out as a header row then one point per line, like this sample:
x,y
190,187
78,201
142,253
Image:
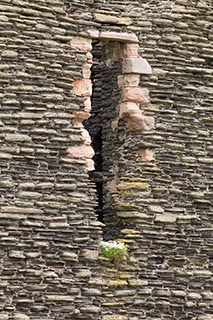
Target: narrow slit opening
x,y
104,101
94,126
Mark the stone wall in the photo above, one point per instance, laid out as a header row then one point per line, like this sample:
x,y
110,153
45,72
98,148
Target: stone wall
x,y
49,231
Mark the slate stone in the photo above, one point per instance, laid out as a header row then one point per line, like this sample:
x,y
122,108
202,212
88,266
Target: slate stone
x,y
156,193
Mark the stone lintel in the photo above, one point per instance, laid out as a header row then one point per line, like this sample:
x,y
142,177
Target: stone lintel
x,y
94,34
114,36
122,37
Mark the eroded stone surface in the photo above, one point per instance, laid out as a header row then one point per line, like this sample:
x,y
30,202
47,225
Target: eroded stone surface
x,y
136,65
134,117
136,94
81,44
87,105
116,36
112,19
128,80
90,165
4,316
9,54
21,316
114,317
93,33
86,137
131,50
86,70
81,152
82,87
16,254
15,137
147,155
79,117
128,109
166,218
139,122
36,101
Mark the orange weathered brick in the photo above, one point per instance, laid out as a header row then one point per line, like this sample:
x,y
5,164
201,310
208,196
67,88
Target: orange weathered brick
x,y
139,122
136,94
82,87
127,109
81,152
80,116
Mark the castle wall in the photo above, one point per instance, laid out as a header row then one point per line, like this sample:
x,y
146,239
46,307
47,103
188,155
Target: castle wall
x,y
160,186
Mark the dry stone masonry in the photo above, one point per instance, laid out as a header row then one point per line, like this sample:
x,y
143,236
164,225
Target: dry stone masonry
x,y
124,87
132,66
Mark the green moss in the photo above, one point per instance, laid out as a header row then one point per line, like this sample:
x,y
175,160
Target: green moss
x,y
113,250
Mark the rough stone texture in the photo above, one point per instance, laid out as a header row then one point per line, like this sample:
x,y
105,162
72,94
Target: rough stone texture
x,y
167,202
112,19
82,87
86,70
110,35
81,152
128,108
139,122
131,50
128,80
136,94
147,155
131,112
81,44
118,36
136,65
79,117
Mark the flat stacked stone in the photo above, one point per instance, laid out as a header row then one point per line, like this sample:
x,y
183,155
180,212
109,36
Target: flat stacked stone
x,y
49,230
47,202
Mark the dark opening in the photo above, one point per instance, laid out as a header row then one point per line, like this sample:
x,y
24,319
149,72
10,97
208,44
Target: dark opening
x,y
94,125
105,99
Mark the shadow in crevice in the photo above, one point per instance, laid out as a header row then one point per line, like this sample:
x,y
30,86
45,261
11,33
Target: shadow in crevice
x,y
94,125
97,175
104,100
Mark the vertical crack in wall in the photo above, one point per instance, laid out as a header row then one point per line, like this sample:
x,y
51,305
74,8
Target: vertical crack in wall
x,y
105,97
94,125
117,109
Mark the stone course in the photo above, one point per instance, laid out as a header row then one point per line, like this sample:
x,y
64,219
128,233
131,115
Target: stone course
x,y
159,180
